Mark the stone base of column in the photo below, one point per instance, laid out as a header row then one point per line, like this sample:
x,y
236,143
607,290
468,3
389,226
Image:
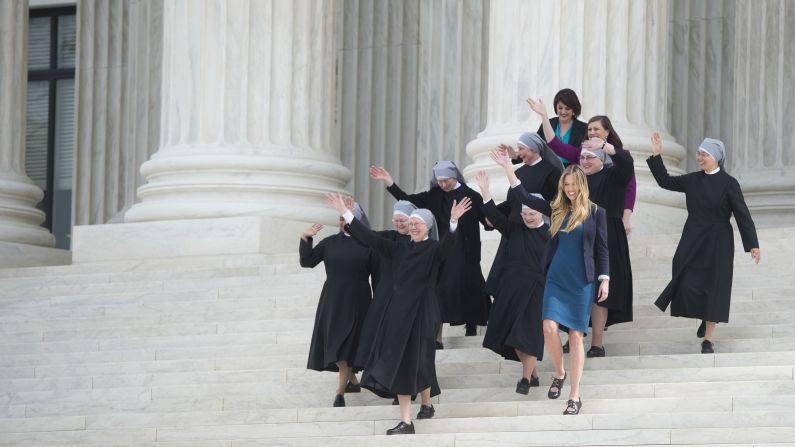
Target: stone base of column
x,y
770,198
20,220
23,255
191,237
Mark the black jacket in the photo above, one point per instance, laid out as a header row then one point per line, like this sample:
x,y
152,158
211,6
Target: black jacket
x,y
594,246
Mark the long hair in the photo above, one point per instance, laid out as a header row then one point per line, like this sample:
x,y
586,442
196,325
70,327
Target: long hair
x,y
562,207
612,136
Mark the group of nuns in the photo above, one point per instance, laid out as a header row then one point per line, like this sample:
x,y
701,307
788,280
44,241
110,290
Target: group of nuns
x,y
562,263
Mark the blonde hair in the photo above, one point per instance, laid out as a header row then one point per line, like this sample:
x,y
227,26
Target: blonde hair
x,y
562,207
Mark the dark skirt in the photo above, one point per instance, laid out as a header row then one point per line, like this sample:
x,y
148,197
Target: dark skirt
x,y
515,321
461,292
619,299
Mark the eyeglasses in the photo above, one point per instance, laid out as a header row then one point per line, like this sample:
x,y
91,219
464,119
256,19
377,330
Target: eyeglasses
x,y
416,224
400,221
587,157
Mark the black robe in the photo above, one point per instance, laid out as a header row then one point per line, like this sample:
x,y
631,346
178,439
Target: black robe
x,y
541,178
344,299
403,354
381,297
704,260
608,189
515,321
461,287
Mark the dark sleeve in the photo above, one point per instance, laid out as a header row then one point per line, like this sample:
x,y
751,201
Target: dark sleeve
x,y
375,269
540,205
310,256
498,220
382,246
550,188
624,165
419,199
743,217
504,208
657,168
601,253
477,206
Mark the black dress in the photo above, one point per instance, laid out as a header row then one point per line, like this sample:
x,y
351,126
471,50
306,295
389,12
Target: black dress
x,y
541,178
344,299
381,296
703,263
515,321
608,190
461,287
403,354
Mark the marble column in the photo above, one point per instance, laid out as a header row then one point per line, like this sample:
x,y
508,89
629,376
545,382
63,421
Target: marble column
x,y
247,123
409,95
118,99
20,220
613,53
761,155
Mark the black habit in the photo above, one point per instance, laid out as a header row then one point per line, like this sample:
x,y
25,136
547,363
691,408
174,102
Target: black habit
x,y
403,354
703,263
608,189
515,321
344,299
461,287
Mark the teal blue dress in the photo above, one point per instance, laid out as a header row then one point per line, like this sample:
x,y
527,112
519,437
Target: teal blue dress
x,y
564,138
567,294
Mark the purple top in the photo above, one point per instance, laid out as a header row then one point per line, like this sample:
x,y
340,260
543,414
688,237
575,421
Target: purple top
x,y
572,154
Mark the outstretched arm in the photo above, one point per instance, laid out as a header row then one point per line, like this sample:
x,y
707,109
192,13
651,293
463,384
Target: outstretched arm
x,y
309,256
448,241
541,110
537,204
657,168
495,216
384,247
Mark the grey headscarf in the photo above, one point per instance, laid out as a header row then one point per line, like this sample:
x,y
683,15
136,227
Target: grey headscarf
x,y
403,207
446,169
600,154
715,148
359,214
430,221
538,196
537,144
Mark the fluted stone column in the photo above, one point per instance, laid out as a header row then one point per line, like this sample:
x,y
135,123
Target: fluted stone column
x,y
118,102
612,53
247,112
762,156
20,220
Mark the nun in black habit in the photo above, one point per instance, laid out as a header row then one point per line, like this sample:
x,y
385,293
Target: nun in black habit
x,y
461,287
382,294
403,354
703,263
515,328
343,302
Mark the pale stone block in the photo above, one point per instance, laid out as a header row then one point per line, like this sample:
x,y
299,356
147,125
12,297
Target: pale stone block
x,y
139,367
190,419
81,437
591,437
123,407
266,431
45,424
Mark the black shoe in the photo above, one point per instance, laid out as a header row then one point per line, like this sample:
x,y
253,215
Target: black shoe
x,y
395,401
426,412
402,429
523,386
566,348
558,385
353,388
472,329
707,347
534,382
573,406
439,345
702,329
595,351
339,401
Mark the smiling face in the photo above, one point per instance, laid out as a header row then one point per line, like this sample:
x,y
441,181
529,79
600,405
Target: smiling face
x,y
527,155
531,217
564,112
597,130
447,184
418,230
401,223
705,161
590,163
570,187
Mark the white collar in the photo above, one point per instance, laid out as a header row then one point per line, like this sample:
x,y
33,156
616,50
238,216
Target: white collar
x,y
715,171
457,185
538,160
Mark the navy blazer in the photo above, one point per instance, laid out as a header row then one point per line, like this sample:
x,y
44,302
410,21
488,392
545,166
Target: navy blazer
x,y
594,246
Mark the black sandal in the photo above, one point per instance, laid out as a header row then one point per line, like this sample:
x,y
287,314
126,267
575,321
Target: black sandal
x,y
573,407
556,383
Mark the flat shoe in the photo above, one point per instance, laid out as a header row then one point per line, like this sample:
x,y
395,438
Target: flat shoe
x,y
426,412
707,347
534,382
566,348
573,407
702,329
402,429
439,345
339,401
353,388
557,384
595,351
523,386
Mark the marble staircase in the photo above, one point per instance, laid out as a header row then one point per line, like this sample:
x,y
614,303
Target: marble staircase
x,y
211,352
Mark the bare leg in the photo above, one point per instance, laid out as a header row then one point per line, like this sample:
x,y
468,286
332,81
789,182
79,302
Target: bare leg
x,y
405,407
425,395
345,372
352,378
598,320
528,364
710,331
554,347
576,362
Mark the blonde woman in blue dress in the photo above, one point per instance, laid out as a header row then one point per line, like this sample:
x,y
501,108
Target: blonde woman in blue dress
x,y
577,264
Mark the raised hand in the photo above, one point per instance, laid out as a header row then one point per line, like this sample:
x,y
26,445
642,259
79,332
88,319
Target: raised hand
x,y
509,150
459,208
311,231
335,201
379,173
604,289
756,255
500,157
349,203
593,144
656,143
483,184
537,107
